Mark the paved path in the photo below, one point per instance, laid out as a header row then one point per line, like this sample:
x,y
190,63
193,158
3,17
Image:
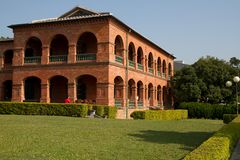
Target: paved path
x,y
236,152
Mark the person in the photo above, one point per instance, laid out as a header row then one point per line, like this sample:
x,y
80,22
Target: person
x,y
67,100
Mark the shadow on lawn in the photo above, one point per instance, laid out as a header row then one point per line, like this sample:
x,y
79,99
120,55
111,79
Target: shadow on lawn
x,y
190,140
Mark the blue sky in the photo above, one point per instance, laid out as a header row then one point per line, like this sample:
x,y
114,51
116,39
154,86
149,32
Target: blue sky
x,y
188,29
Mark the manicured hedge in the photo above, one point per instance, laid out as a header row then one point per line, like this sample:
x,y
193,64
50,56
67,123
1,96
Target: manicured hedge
x,y
227,118
206,110
56,109
160,114
220,145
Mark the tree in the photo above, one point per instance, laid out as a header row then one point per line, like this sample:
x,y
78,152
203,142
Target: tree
x,y
235,62
185,85
204,81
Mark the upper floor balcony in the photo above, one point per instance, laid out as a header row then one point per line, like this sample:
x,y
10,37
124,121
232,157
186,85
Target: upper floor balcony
x,y
86,49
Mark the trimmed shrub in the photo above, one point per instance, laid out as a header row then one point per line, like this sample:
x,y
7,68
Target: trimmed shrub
x,y
138,115
56,109
227,118
160,114
206,110
99,110
110,112
220,145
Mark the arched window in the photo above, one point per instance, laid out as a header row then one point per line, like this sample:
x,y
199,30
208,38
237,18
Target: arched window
x,y
59,49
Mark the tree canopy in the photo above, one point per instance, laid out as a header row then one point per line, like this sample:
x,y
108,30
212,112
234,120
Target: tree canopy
x,y
205,81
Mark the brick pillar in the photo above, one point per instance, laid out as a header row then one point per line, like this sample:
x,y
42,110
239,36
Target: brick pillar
x,y
1,91
134,93
135,60
45,92
142,95
160,98
124,57
146,64
105,52
105,94
45,55
72,53
124,96
1,61
72,92
146,96
18,57
154,96
18,92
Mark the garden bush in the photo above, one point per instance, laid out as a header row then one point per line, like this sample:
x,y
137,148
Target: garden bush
x,y
160,114
206,110
56,109
220,145
227,118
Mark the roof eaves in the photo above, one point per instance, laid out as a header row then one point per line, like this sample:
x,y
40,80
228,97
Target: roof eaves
x,y
129,28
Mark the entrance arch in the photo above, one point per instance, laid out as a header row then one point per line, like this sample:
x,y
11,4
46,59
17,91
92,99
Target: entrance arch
x,y
150,94
58,89
32,89
7,90
87,88
118,91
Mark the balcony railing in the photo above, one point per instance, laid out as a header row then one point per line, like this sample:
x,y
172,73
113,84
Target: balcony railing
x,y
58,58
140,104
131,63
35,59
164,75
86,57
159,73
119,59
131,104
118,103
169,77
150,70
140,66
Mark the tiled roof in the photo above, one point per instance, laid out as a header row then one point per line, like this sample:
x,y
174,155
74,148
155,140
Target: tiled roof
x,y
70,18
78,13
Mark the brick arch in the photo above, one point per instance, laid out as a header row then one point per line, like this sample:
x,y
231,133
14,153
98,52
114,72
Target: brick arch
x,y
150,94
87,43
86,86
164,66
118,46
58,88
59,47
8,57
32,89
6,90
33,47
131,51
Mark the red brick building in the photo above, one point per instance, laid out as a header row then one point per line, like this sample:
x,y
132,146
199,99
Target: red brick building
x,y
90,57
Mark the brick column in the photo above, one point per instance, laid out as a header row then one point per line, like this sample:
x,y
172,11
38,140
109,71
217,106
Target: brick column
x,y
135,60
105,94
18,92
18,57
72,92
124,51
145,96
45,55
72,53
45,93
1,91
1,61
146,64
135,96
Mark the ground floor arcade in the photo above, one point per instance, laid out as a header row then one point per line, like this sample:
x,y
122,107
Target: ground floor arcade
x,y
87,89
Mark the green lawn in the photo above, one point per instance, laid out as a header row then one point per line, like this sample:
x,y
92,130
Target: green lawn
x,y
49,137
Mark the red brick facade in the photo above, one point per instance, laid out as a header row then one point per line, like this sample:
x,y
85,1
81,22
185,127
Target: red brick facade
x,y
84,56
